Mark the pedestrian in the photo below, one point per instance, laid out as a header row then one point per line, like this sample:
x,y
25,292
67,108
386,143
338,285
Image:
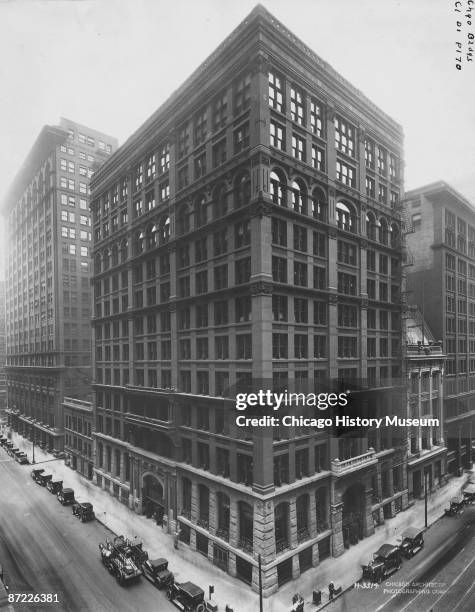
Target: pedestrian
x,y
331,590
176,538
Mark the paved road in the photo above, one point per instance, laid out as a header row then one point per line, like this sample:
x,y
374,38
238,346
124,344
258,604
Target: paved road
x,y
439,578
45,549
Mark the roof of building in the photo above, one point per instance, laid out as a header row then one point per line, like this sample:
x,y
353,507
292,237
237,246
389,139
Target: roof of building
x,y
417,330
440,189
228,49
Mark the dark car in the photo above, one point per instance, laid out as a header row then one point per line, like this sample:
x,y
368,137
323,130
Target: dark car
x,y
156,570
187,595
412,541
84,511
44,478
456,506
469,493
54,486
66,496
13,451
3,440
36,473
22,458
386,560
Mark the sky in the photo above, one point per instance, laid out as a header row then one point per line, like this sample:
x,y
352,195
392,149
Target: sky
x,y
109,64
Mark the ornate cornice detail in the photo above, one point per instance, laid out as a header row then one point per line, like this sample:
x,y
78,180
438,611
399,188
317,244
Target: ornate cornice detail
x,y
261,208
261,288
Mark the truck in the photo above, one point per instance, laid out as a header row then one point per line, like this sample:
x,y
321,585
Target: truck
x,y
386,560
132,548
121,566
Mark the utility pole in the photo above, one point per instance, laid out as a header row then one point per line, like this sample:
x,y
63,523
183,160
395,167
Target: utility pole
x,y
261,609
33,459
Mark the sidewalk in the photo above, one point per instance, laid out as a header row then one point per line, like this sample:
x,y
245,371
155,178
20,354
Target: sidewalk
x,y
346,569
188,565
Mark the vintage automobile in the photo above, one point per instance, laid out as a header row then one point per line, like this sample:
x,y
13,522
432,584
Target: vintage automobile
x,y
3,440
118,564
44,478
386,560
156,570
187,596
58,454
456,506
469,494
412,541
66,496
84,511
54,486
13,451
22,458
36,473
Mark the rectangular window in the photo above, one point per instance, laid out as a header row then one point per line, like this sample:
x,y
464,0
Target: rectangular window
x,y
219,153
277,136
345,174
319,277
279,269
220,108
276,92
221,277
317,118
318,158
300,238
319,347
280,346
200,127
300,274
346,253
344,136
347,283
347,347
298,147
242,94
297,106
279,231
319,313
241,138
242,270
279,307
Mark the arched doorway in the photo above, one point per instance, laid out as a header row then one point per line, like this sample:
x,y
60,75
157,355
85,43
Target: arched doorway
x,y
353,514
153,498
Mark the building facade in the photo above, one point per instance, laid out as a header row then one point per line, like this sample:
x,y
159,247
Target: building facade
x,y
78,442
248,235
3,380
427,453
441,282
48,278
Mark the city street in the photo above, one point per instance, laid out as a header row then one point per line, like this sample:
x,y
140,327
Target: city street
x,y
437,579
45,549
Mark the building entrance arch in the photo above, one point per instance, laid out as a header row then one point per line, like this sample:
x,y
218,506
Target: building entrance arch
x,y
154,504
353,514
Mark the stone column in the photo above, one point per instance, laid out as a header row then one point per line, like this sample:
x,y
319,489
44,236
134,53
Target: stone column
x,y
368,526
233,523
337,529
295,567
264,531
292,523
312,518
194,502
213,513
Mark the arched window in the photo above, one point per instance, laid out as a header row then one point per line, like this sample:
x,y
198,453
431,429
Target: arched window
x,y
246,526
383,231
152,236
299,197
123,251
277,189
183,220
164,228
281,518
242,191
321,507
201,210
138,242
203,506
394,235
371,226
220,205
319,205
115,255
346,217
97,264
106,259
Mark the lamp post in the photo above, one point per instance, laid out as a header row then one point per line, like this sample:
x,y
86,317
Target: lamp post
x,y
426,474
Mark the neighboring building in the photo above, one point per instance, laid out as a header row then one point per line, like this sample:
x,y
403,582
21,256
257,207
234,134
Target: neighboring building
x,y
3,382
427,457
249,234
78,442
441,282
48,278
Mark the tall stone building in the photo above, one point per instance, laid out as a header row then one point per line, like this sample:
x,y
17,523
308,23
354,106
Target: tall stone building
x,y
249,234
47,278
3,380
441,282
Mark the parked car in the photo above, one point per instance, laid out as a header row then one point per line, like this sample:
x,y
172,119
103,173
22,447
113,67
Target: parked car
x,y
66,496
54,486
59,454
22,458
187,595
84,511
43,478
456,506
386,560
412,541
13,450
469,493
156,570
3,440
35,473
